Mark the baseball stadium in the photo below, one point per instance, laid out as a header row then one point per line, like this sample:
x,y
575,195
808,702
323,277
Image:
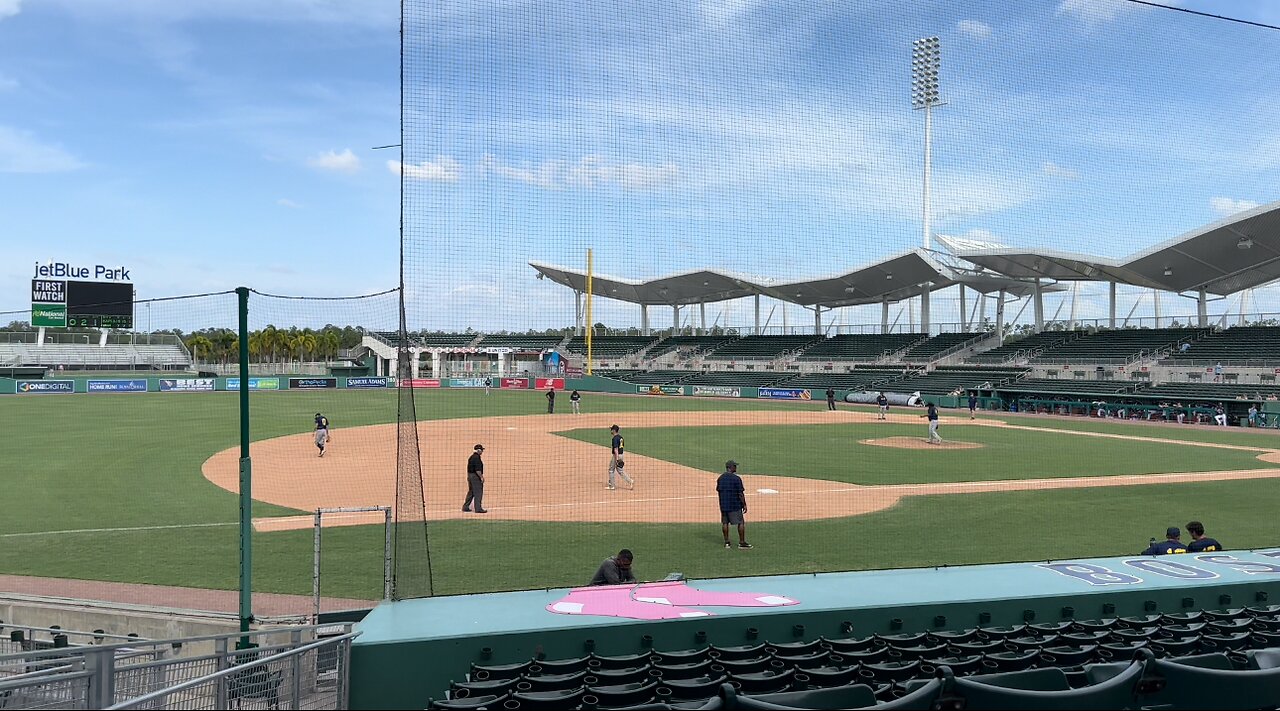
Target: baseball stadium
x,y
738,355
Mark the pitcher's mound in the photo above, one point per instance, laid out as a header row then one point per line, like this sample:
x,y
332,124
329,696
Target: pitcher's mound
x,y
917,443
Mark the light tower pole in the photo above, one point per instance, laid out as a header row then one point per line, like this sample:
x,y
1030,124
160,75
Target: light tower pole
x,y
926,59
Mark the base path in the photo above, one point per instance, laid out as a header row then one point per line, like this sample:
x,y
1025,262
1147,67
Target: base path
x,y
532,474
917,443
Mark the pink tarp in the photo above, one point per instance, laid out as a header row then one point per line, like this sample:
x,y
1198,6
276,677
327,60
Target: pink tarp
x,y
657,601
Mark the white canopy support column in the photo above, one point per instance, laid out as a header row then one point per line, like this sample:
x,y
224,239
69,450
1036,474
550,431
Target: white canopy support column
x,y
1000,315
884,314
1155,301
702,318
1071,317
644,320
1038,303
924,308
757,298
1202,308
1111,307
964,312
675,319
817,320
981,319
577,312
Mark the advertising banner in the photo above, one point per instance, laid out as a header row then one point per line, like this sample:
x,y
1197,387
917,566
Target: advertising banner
x,y
420,383
466,382
312,383
37,387
367,382
255,383
660,389
717,390
49,315
573,371
557,383
786,394
118,386
521,383
188,385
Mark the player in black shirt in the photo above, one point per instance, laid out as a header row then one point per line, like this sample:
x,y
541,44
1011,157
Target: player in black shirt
x,y
475,481
1201,543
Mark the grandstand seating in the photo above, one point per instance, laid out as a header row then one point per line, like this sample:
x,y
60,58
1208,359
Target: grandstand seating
x,y
518,342
858,379
609,346
446,340
646,377
748,378
761,347
1193,659
861,346
392,338
1073,387
927,350
691,344
1023,347
1118,344
123,356
1239,345
1212,392
949,379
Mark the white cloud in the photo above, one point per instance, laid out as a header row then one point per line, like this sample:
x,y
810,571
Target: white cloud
x,y
1054,170
1226,206
719,13
21,152
9,8
443,168
344,162
974,28
286,202
1094,12
588,172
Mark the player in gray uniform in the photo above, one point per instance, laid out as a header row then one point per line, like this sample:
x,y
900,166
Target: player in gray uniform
x,y
618,447
322,432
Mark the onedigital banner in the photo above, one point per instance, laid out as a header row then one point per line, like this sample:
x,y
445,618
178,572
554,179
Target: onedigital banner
x,y
717,390
786,394
420,383
311,383
466,382
557,383
523,383
38,387
367,382
188,385
255,383
660,389
117,386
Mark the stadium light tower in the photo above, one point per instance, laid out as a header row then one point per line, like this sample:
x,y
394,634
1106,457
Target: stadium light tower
x,y
926,60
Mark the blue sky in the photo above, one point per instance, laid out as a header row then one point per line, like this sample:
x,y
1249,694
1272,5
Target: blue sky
x,y
208,145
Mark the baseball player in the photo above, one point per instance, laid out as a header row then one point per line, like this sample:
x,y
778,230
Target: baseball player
x,y
831,398
618,445
488,383
551,400
883,403
574,399
973,405
733,504
322,432
475,481
932,414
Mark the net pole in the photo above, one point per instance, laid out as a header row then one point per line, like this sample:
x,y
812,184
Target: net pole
x,y
587,370
315,570
246,474
386,553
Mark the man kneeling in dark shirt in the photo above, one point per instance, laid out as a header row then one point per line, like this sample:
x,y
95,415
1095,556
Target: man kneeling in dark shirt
x,y
615,570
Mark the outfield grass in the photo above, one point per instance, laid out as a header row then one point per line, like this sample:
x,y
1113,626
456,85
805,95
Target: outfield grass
x,y
114,461
833,452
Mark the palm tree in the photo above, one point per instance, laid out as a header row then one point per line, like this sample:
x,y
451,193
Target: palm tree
x,y
199,346
269,341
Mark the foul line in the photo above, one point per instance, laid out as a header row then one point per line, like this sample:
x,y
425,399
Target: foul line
x,y
115,530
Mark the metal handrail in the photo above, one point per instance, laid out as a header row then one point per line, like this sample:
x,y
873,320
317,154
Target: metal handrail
x,y
238,669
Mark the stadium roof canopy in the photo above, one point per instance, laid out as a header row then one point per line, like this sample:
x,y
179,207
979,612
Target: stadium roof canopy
x,y
1227,256
894,278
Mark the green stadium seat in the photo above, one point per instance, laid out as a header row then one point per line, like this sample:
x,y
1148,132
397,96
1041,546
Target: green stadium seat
x,y
951,637
1178,647
923,697
1067,656
550,682
922,651
805,661
767,682
684,656
748,651
1001,633
499,671
703,687
549,700
850,644
959,666
893,671
1047,689
1179,683
467,689
826,677
1094,625
626,661
795,647
624,676
1221,615
875,654
623,694
1000,662
562,666
850,697
1230,641
472,702
692,670
746,666
1263,659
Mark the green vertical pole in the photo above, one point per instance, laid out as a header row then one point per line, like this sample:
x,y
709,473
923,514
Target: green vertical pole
x,y
246,476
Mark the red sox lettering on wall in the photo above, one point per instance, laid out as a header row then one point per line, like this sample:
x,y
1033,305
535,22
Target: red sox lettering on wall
x,y
1142,569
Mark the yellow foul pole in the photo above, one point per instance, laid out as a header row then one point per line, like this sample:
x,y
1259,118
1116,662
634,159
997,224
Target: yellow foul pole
x,y
589,322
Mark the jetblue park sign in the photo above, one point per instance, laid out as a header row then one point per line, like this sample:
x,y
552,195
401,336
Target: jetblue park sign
x,y
66,270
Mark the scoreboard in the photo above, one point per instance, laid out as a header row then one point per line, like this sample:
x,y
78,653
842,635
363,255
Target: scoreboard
x,y
64,303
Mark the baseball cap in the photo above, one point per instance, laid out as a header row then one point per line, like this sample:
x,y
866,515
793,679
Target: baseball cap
x,y
730,464
479,447
1172,532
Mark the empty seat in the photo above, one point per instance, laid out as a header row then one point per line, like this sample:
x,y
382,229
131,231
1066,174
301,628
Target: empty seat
x,y
1177,682
1047,689
848,697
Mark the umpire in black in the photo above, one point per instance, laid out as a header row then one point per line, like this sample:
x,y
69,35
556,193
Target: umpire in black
x,y
475,481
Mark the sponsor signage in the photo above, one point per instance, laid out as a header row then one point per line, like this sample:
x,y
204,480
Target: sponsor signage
x,y
188,385
466,383
717,390
366,382
573,371
660,389
523,383
786,394
36,387
419,383
255,383
65,270
118,386
49,315
557,383
312,383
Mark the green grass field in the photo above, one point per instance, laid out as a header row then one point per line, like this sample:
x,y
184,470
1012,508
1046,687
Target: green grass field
x,y
75,465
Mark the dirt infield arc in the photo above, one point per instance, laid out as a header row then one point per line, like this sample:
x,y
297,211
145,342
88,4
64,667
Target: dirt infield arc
x,y
534,475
